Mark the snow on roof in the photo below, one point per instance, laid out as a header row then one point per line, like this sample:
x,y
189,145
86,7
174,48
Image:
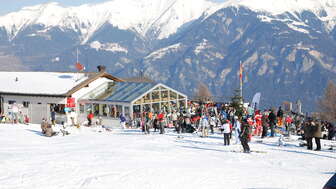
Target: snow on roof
x,y
43,83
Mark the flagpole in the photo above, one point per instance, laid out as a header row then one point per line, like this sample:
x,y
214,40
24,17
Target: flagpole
x,y
241,80
77,55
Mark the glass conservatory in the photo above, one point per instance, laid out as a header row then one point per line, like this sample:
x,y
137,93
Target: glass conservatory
x,y
133,98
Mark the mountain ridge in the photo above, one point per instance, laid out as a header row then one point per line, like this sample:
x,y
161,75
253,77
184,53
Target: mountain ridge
x,y
286,56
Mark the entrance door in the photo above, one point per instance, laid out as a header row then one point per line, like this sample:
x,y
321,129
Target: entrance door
x,y
38,112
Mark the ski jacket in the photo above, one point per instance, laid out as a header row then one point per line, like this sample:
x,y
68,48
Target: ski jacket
x,y
90,116
226,128
280,113
244,131
288,119
317,128
272,117
122,119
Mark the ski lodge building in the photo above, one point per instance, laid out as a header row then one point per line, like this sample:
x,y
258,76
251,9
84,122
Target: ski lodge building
x,y
36,94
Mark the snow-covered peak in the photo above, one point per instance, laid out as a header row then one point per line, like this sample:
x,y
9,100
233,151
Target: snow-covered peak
x,y
325,10
163,16
276,7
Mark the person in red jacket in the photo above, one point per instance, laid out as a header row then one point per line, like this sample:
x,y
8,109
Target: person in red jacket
x,y
250,123
288,122
258,124
160,118
89,118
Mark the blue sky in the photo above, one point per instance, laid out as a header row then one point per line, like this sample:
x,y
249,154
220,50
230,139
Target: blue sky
x,y
15,5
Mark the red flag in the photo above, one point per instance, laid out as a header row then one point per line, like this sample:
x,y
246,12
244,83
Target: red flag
x,y
241,71
79,66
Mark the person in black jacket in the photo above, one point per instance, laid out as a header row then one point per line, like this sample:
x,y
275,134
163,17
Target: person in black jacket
x,y
244,136
308,133
272,121
280,116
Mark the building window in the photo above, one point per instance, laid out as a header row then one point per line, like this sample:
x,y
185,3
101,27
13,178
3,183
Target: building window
x,y
82,108
11,101
25,104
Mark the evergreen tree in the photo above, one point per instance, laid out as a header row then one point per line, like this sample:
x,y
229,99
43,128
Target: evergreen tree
x,y
237,103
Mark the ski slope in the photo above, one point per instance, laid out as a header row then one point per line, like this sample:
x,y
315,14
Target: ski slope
x,y
129,159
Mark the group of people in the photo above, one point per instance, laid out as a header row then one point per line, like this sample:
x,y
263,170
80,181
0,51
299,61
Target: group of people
x,y
206,118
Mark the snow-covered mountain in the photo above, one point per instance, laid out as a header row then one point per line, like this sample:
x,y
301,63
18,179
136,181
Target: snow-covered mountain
x,y
287,47
162,16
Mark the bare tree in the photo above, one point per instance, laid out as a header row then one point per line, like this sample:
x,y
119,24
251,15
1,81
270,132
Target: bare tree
x,y
203,93
327,103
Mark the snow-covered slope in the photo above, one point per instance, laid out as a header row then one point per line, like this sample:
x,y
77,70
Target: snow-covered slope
x,y
88,159
163,16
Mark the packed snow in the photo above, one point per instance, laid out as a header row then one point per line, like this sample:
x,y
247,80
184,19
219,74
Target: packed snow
x,y
88,158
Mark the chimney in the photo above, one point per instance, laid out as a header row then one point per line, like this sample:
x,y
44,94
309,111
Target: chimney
x,y
101,68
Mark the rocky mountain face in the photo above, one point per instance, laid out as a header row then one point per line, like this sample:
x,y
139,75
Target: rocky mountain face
x,y
286,55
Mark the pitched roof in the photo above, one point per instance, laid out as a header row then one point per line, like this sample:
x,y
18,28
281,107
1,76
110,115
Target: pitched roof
x,y
129,91
47,83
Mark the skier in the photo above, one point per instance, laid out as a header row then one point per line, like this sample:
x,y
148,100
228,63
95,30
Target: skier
x,y
122,121
204,126
280,116
237,129
272,122
264,122
288,122
212,123
308,133
174,118
244,136
258,123
227,130
160,117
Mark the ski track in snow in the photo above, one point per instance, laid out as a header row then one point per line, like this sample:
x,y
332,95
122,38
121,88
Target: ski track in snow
x,y
130,159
